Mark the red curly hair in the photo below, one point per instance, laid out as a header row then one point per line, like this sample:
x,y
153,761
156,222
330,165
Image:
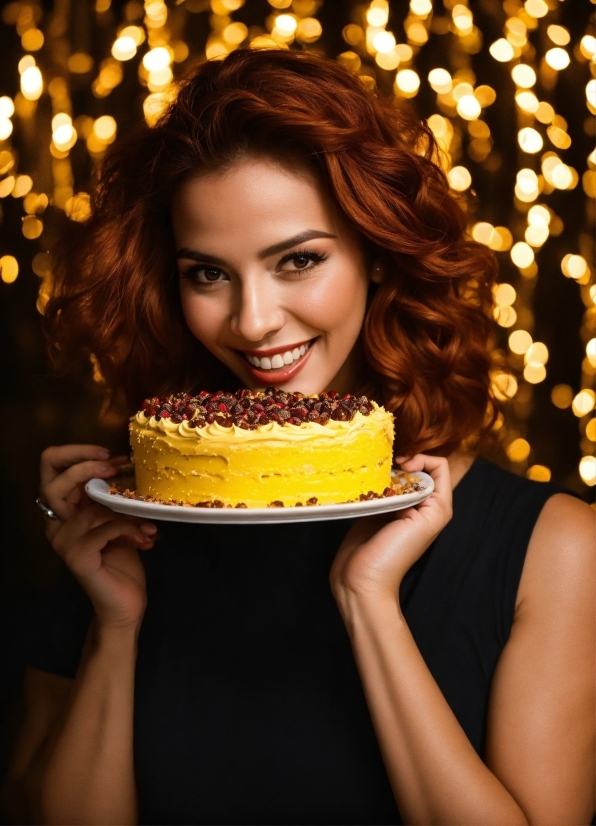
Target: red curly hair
x,y
426,330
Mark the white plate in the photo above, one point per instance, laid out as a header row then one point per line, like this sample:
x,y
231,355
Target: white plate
x,y
97,489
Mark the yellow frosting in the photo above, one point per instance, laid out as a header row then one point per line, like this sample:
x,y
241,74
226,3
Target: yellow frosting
x,y
334,462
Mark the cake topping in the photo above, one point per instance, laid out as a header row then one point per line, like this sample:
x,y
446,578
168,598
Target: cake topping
x,y
249,410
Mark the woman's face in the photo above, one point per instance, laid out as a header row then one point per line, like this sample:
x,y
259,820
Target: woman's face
x,y
272,280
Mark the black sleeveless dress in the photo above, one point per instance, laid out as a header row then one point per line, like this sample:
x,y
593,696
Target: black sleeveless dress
x,y
248,704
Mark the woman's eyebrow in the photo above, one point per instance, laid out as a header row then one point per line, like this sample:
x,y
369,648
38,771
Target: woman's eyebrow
x,y
301,238
297,239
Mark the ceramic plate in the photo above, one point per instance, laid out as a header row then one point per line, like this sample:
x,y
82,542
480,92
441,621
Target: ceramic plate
x,y
97,489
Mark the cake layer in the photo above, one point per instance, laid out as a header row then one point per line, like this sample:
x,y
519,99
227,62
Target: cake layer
x,y
334,462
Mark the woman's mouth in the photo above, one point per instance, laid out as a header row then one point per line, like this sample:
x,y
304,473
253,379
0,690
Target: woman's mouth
x,y
278,367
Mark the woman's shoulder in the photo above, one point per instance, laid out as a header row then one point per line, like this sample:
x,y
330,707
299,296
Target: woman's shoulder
x,y
561,553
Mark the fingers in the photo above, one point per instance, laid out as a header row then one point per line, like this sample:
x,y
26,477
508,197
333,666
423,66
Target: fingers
x,y
80,540
55,459
65,469
58,493
438,468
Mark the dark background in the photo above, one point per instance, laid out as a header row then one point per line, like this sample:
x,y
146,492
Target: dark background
x,y
42,407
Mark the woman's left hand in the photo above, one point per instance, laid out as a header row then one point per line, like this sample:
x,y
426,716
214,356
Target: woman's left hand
x,y
378,550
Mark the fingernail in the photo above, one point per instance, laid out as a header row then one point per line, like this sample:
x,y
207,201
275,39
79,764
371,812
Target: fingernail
x,y
106,469
103,454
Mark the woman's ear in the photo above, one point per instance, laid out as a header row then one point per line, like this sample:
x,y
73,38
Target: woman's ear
x,y
377,272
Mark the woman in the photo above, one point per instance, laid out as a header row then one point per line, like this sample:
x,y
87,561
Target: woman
x,y
445,675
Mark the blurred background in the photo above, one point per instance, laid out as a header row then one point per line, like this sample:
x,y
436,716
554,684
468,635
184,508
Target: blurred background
x,y
508,89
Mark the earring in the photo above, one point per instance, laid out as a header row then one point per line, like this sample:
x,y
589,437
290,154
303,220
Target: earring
x,y
377,273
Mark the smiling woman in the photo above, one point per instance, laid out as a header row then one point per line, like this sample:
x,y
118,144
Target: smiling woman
x,y
286,314
316,157
281,224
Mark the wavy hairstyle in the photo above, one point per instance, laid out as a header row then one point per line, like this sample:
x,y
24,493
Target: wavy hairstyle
x,y
426,330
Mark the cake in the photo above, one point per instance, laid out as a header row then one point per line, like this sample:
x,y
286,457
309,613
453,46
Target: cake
x,y
260,449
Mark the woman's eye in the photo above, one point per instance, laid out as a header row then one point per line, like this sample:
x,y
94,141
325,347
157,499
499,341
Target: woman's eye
x,y
300,261
205,275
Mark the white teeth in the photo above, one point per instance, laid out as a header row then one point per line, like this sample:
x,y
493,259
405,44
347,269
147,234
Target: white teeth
x,y
279,359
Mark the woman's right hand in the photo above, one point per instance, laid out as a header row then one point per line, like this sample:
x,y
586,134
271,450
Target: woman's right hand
x,y
98,545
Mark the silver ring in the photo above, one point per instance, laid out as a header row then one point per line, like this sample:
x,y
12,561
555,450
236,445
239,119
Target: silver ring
x,y
47,512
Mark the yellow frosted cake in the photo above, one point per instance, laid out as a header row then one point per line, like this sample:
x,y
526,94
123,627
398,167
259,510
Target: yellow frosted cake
x,y
260,449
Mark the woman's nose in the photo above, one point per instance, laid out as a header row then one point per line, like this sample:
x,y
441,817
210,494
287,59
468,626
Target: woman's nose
x,y
256,312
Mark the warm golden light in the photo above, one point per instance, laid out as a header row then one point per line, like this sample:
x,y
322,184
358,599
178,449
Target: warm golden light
x,y
286,24
574,266
529,140
502,50
504,294
539,473
384,41
504,385
421,7
523,76
407,82
105,128
536,8
545,112
591,430
527,101
459,178
591,351
378,14
9,269
557,58
583,403
527,181
157,59
562,396
534,373
6,107
235,33
32,227
124,48
505,316
309,30
587,469
539,215
519,342
522,254
518,450
32,40
536,354
31,83
5,128
588,46
536,234
559,35
468,107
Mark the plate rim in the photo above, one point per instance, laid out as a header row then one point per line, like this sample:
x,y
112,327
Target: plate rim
x,y
97,489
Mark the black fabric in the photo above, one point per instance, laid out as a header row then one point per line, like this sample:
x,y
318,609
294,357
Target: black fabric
x,y
248,705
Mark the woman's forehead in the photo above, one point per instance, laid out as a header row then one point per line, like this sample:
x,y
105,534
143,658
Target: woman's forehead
x,y
256,192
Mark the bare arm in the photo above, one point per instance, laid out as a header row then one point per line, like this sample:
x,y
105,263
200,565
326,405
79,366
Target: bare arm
x,y
77,765
88,776
541,715
73,760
